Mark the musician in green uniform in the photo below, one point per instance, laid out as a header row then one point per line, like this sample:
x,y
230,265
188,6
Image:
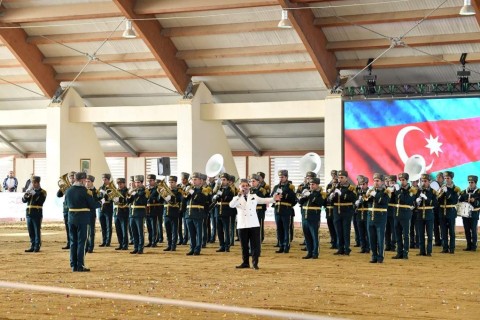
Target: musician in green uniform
x,y
182,220
329,213
80,202
61,193
284,210
471,195
34,197
221,199
303,187
196,198
261,208
171,212
154,211
98,197
138,199
361,209
106,212
263,185
121,215
426,202
448,199
390,235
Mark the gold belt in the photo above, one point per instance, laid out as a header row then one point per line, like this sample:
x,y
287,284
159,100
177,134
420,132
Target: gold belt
x,y
425,208
448,206
329,207
283,204
377,209
172,205
138,207
312,208
154,204
195,206
402,206
224,203
79,210
122,206
34,207
343,204
362,209
476,209
259,207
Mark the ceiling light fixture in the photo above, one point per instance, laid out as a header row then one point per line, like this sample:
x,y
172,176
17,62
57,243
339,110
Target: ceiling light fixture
x,y
129,33
467,9
285,23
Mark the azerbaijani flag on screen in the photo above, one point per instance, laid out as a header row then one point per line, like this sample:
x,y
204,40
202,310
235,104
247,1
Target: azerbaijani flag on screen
x,y
380,135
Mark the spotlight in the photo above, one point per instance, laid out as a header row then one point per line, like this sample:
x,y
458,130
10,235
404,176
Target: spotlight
x,y
467,9
129,33
370,78
285,23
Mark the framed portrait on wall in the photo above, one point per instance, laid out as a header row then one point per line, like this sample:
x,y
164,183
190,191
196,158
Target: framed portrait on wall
x,y
85,165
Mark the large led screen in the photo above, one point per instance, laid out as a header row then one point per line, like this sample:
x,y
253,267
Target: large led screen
x,y
382,135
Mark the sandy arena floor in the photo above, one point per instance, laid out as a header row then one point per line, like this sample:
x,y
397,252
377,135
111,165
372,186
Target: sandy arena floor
x,y
444,286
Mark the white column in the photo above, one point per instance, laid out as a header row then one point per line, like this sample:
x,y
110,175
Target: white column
x,y
333,135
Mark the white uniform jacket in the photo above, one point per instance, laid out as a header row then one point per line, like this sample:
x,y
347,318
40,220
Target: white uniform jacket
x,y
247,210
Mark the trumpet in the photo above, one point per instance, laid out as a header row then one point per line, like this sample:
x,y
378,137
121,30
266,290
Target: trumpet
x,y
64,183
112,191
132,190
163,190
368,193
441,191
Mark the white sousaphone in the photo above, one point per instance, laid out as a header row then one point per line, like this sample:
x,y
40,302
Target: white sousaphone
x,y
214,165
415,166
310,162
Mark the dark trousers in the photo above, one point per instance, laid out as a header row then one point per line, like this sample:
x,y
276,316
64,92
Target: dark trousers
x,y
67,228
106,220
376,234
171,226
333,233
223,229
356,230
414,239
291,227
250,242
310,228
91,231
283,230
121,227
213,226
233,228
138,232
470,225
436,227
186,234
402,229
261,220
343,226
425,227
195,231
447,225
159,237
152,228
180,229
34,226
363,234
390,235
78,229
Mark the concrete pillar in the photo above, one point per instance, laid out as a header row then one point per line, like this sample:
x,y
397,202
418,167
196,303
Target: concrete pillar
x,y
333,136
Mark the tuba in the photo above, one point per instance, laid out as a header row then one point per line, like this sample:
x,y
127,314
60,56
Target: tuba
x,y
214,165
112,191
310,162
415,166
164,190
64,183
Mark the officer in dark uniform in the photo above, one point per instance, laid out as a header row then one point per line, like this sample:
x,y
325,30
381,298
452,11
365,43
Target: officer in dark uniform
x,y
263,207
182,220
361,209
404,204
262,193
154,211
34,198
131,186
334,180
106,212
356,212
80,202
343,197
233,215
284,210
329,213
206,219
312,200
470,224
222,199
304,186
97,196
448,199
196,198
377,198
414,239
390,235
138,200
121,214
212,225
426,201
439,181
171,212
60,193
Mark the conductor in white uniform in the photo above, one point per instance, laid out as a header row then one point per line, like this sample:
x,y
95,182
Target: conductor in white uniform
x,y
247,222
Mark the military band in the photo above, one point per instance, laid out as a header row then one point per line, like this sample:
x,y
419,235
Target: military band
x,y
426,202
471,195
121,215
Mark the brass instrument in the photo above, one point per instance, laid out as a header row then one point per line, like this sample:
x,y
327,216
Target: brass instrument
x,y
64,183
132,190
440,191
369,191
164,190
112,191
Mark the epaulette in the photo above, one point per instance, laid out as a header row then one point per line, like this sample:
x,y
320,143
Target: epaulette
x,y
44,192
292,187
324,195
209,189
413,190
89,192
206,191
147,193
457,189
352,188
388,192
263,191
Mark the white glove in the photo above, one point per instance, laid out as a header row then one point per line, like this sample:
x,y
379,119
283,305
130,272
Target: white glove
x,y
219,192
133,193
337,191
102,201
215,198
191,191
305,194
279,191
422,195
167,198
331,196
392,189
357,203
32,192
359,197
419,200
396,186
373,193
116,199
444,188
102,192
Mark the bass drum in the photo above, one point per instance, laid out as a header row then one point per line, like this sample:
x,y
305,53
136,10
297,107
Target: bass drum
x,y
464,210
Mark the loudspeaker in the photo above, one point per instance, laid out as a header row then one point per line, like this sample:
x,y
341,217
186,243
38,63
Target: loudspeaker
x,y
163,165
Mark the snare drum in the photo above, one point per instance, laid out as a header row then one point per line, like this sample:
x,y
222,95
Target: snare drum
x,y
464,209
